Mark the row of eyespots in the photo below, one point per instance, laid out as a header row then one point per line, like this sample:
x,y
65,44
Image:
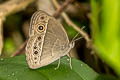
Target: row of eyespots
x,y
35,58
40,28
35,47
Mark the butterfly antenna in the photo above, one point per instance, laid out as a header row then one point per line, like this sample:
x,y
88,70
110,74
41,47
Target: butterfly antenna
x,y
77,35
83,27
77,39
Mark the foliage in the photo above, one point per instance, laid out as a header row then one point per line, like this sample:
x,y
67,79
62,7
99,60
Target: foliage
x,y
106,31
16,68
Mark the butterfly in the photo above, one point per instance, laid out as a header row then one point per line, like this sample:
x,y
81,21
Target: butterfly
x,y
48,40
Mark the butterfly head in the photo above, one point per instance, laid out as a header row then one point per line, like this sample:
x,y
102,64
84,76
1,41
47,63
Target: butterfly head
x,y
72,44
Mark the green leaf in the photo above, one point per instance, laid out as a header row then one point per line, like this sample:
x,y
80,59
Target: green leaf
x,y
16,68
106,30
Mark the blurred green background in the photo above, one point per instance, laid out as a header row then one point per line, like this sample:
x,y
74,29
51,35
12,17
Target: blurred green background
x,y
101,19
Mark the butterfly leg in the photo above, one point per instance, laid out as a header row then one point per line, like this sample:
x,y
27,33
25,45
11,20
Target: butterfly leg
x,y
69,60
58,65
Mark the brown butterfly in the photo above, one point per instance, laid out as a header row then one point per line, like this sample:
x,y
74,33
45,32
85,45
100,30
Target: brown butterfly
x,y
47,41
